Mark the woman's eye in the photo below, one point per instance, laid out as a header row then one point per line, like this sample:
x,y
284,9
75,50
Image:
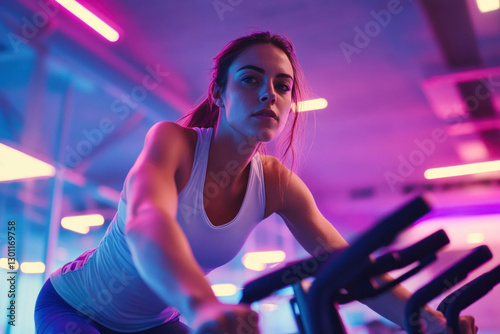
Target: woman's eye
x,y
249,79
284,87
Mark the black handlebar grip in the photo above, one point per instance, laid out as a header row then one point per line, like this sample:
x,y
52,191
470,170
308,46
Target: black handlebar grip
x,y
381,234
441,283
466,295
418,251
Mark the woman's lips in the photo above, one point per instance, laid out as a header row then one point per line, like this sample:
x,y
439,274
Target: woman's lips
x,y
267,113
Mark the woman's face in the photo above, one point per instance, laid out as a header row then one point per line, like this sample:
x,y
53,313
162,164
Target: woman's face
x,y
258,95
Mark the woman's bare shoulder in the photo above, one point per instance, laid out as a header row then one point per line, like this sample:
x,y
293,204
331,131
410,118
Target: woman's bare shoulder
x,y
166,143
179,142
167,130
273,166
274,175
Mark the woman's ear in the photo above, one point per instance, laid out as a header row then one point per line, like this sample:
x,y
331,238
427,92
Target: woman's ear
x,y
217,96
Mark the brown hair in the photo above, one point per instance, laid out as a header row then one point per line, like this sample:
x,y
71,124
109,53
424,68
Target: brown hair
x,y
206,114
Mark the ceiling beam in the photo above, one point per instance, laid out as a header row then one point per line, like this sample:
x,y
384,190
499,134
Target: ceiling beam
x,y
455,35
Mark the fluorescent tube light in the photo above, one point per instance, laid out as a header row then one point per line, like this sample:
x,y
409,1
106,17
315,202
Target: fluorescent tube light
x,y
33,267
475,168
81,224
309,105
488,5
221,290
16,165
475,238
90,19
258,260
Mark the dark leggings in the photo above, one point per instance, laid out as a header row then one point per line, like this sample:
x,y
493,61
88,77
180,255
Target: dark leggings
x,y
54,316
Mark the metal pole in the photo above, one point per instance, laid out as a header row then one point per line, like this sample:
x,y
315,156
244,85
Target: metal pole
x,y
57,192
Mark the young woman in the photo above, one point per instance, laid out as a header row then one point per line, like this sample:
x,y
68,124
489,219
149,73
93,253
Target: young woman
x,y
188,205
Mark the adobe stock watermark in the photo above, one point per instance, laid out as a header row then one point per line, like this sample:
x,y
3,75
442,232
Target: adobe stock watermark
x,y
364,35
31,27
223,6
122,107
308,267
482,92
427,146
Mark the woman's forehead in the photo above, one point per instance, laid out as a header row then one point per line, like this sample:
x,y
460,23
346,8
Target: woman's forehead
x,y
265,56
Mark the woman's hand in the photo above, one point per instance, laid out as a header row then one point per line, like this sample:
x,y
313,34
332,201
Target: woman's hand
x,y
435,323
219,318
467,325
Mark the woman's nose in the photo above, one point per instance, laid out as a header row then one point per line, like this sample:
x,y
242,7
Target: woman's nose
x,y
267,95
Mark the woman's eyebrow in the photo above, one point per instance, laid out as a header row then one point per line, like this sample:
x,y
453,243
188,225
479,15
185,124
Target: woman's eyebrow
x,y
261,70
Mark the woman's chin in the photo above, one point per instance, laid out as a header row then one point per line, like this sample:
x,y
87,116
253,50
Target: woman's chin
x,y
266,135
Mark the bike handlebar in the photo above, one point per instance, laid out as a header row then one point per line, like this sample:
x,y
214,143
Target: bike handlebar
x,y
424,251
344,270
294,272
466,295
443,282
401,258
386,230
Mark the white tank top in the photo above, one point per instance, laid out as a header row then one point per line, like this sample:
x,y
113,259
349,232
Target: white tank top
x,y
103,282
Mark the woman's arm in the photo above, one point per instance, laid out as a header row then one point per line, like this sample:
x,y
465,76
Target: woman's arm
x,y
313,231
299,211
159,248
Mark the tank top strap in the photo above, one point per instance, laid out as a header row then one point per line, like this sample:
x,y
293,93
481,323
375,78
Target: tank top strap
x,y
201,153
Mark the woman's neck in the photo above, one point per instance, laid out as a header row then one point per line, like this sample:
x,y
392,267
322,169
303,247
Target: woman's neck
x,y
229,155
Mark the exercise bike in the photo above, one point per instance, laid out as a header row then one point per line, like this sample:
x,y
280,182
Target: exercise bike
x,y
337,281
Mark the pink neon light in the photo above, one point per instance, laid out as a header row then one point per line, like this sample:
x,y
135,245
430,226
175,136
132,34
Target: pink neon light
x,y
90,19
